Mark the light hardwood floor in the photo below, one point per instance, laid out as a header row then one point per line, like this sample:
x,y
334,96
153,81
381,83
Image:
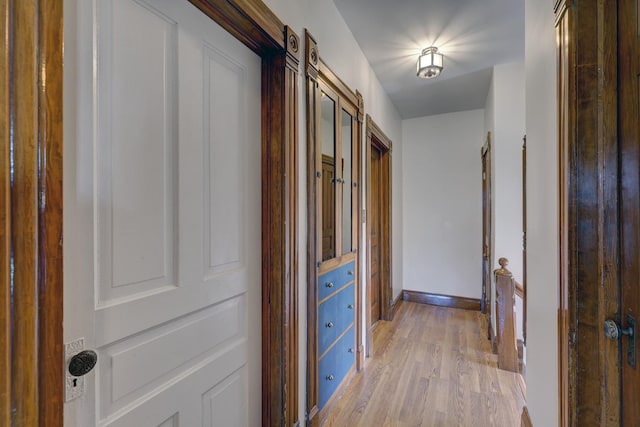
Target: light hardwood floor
x,y
432,366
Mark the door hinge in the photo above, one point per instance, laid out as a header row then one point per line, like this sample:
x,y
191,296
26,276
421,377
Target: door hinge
x,y
572,338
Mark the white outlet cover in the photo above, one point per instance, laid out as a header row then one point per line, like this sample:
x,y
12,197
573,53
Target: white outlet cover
x,y
74,386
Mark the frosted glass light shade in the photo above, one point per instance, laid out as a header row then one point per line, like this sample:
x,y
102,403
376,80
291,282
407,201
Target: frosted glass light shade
x,y
430,63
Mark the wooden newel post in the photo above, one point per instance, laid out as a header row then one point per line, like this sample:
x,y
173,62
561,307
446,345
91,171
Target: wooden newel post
x,y
506,318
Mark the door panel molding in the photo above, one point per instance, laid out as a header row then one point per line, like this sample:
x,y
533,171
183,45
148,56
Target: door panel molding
x,y
34,205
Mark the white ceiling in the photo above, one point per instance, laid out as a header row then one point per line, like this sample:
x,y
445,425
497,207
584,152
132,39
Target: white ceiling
x,y
473,35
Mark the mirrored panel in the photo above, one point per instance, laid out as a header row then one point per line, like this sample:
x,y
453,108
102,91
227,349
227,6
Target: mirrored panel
x,y
347,181
328,136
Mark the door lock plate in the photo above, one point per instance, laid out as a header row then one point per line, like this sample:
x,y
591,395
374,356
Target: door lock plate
x,y
74,386
631,344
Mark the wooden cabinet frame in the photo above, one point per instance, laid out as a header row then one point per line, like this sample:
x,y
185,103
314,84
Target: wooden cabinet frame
x,y
320,79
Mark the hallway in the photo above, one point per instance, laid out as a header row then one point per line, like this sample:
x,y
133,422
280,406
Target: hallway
x,y
431,366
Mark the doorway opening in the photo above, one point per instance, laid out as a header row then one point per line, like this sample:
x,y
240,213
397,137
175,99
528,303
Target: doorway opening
x,y
379,286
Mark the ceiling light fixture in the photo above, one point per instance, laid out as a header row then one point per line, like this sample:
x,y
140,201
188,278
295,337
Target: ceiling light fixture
x,y
430,63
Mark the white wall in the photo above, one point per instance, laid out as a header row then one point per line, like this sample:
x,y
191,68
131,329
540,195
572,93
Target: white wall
x,y
508,86
341,52
442,176
489,109
542,214
505,119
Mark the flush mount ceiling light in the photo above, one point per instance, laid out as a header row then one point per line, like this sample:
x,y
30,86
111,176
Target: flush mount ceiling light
x,y
430,63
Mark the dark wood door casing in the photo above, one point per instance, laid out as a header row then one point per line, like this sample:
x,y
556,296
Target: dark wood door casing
x,y
377,143
589,387
31,358
373,286
487,236
31,71
524,239
629,137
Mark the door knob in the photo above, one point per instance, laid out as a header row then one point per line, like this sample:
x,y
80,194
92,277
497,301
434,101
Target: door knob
x,y
82,363
613,331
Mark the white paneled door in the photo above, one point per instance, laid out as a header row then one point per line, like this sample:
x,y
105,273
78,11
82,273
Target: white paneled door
x,y
162,215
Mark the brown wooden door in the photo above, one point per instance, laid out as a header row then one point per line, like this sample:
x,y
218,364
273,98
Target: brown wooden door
x,y
629,139
374,217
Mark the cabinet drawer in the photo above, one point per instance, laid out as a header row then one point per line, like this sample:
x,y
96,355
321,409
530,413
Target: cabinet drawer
x,y
345,310
345,353
335,279
335,315
334,366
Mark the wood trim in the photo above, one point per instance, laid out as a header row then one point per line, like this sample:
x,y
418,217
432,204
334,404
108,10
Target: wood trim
x,y
506,322
519,290
24,203
336,83
441,300
487,234
50,273
561,7
566,125
525,419
250,21
396,304
589,386
357,220
375,137
523,286
312,64
5,220
279,236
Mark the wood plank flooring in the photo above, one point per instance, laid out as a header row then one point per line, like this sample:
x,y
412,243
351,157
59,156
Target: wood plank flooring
x,y
432,366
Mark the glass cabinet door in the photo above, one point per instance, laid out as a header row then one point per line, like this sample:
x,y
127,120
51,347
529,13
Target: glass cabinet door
x,y
347,182
328,191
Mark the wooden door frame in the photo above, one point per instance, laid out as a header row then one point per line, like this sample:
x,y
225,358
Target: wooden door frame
x,y
487,230
375,137
32,382
524,240
589,274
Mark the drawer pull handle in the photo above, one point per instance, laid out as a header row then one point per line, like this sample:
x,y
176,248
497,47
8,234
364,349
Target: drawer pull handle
x,y
329,285
350,273
330,325
350,350
329,377
350,306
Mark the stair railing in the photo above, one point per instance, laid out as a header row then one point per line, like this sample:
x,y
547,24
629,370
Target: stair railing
x,y
506,335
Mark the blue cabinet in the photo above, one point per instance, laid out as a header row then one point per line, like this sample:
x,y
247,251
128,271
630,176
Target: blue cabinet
x,y
336,329
335,365
333,280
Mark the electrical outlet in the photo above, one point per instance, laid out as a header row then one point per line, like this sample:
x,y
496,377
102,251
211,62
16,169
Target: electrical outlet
x,y
74,386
